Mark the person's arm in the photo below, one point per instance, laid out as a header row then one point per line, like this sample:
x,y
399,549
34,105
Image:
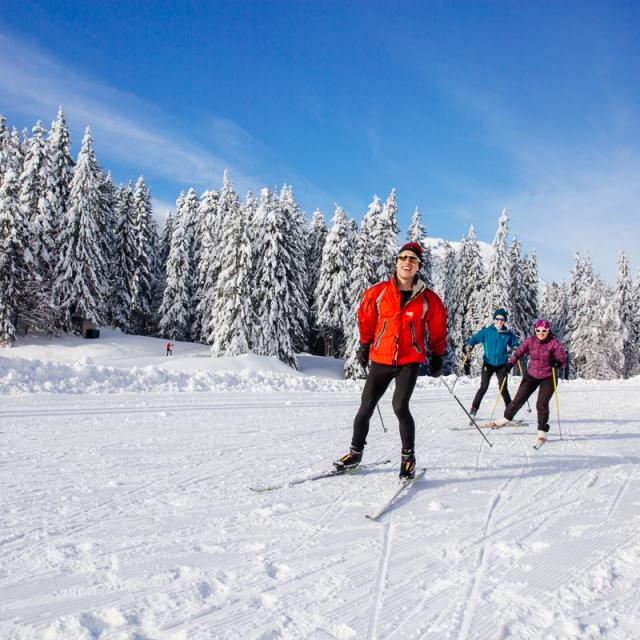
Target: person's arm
x,y
522,350
368,315
559,354
436,320
476,338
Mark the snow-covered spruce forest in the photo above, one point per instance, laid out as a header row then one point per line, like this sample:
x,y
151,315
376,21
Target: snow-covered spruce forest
x,y
254,275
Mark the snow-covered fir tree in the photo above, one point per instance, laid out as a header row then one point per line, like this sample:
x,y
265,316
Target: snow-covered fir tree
x,y
81,270
363,276
417,233
33,190
206,255
59,176
232,314
296,273
14,254
4,145
516,322
625,313
316,237
451,294
272,297
144,266
496,292
555,308
530,292
124,257
333,299
15,155
176,312
636,323
595,340
470,308
385,237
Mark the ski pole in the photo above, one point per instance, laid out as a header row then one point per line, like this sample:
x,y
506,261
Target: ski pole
x,y
522,374
555,390
504,380
450,390
366,369
381,420
466,357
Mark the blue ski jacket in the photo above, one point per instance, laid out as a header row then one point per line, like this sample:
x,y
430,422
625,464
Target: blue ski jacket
x,y
495,344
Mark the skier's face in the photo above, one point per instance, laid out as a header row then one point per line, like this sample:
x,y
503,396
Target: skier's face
x,y
499,322
407,265
541,333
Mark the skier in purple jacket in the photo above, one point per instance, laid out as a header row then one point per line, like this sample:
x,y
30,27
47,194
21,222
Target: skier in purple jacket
x,y
545,353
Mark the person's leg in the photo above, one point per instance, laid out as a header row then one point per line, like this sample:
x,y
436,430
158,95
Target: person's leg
x,y
378,380
485,376
526,388
542,405
405,384
501,374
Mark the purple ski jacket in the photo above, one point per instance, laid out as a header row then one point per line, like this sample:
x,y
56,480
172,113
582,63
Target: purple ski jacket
x,y
541,354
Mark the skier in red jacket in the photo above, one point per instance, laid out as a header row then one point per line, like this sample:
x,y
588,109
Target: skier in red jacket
x,y
392,318
169,351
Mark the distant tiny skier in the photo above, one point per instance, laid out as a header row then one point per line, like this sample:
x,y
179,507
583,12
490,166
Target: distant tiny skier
x,y
496,340
545,352
392,318
169,351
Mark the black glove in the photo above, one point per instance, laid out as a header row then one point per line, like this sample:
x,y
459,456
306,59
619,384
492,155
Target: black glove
x,y
435,366
468,348
508,367
362,355
556,365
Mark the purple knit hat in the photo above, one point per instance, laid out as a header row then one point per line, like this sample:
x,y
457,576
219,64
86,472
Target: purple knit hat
x,y
545,324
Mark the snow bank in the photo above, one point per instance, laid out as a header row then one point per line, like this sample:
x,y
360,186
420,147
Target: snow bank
x,y
19,376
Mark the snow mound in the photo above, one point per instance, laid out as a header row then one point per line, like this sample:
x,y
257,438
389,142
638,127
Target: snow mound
x,y
19,376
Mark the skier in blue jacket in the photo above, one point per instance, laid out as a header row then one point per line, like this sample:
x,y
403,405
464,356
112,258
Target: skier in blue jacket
x,y
495,340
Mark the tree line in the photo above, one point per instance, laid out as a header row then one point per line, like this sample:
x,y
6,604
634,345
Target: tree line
x,y
252,274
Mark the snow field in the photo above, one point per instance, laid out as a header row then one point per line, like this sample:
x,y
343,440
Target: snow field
x,y
129,516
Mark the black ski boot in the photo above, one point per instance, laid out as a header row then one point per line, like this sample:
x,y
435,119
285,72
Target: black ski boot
x,y
349,461
408,464
472,413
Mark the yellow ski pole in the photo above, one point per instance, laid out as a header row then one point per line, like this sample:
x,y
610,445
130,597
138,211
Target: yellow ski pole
x,y
504,380
522,374
555,391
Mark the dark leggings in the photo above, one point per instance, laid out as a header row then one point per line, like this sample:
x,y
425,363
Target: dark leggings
x,y
487,371
378,380
526,388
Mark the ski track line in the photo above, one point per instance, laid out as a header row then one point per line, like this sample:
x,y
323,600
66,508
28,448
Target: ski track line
x,y
381,578
481,564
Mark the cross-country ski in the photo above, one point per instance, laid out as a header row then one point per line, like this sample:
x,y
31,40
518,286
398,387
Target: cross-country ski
x,y
329,473
404,485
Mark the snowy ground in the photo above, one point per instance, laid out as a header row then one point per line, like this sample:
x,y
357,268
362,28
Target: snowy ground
x,y
126,513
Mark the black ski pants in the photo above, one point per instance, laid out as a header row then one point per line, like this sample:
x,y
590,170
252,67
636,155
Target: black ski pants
x,y
525,390
485,375
378,381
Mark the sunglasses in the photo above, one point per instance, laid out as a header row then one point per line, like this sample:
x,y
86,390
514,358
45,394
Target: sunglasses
x,y
499,319
542,330
411,259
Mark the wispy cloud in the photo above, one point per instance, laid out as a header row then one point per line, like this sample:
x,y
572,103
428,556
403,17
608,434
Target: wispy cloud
x,y
134,133
573,188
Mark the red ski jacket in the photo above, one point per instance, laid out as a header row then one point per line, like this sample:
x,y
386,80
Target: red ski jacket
x,y
396,334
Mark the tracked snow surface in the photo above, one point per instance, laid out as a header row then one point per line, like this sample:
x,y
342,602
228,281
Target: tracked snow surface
x,y
126,514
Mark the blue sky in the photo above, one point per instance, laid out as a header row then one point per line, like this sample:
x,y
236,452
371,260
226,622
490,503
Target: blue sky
x,y
464,107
